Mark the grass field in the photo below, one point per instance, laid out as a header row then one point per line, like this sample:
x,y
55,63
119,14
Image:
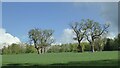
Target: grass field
x,y
106,58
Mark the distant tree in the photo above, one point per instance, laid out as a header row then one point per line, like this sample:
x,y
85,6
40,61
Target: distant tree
x,y
65,48
86,46
71,46
10,49
4,50
117,42
13,49
109,44
54,49
94,30
99,43
30,49
0,51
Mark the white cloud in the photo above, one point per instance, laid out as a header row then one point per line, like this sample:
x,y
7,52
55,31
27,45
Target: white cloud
x,y
7,38
67,36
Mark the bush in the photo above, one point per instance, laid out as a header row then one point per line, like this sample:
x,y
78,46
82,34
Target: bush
x,y
30,49
86,46
54,49
12,49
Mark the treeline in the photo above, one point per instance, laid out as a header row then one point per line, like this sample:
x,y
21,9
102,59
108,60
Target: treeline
x,y
71,47
18,49
110,45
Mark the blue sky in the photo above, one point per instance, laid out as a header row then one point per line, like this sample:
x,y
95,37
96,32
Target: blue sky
x,y
19,18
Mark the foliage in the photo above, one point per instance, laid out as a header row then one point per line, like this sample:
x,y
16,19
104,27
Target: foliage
x,y
54,49
30,49
41,38
18,49
111,45
63,48
13,49
86,46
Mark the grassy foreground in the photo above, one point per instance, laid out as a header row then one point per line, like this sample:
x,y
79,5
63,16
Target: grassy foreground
x,y
106,58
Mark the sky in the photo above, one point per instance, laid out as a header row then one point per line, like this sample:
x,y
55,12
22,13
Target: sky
x,y
19,17
60,0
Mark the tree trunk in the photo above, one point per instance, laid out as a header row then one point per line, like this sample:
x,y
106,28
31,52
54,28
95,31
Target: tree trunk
x,y
44,49
100,47
35,45
79,48
93,50
41,50
92,47
38,50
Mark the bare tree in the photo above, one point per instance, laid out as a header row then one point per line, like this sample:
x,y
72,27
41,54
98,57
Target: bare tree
x,y
94,30
79,33
34,35
46,39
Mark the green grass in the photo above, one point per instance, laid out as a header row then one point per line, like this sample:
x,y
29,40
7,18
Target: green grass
x,y
108,58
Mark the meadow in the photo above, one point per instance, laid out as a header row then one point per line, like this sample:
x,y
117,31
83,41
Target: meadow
x,y
105,58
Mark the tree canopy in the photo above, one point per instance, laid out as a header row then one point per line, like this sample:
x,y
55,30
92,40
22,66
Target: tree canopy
x,y
41,38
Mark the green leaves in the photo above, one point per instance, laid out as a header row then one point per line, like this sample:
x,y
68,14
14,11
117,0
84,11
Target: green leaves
x,y
41,37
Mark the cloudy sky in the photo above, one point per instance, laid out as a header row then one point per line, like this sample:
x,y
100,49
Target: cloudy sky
x,y
19,18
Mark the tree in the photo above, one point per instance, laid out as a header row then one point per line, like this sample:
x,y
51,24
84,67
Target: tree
x,y
34,35
13,49
99,43
86,46
94,30
65,48
46,38
30,49
54,49
117,42
41,38
79,33
109,45
4,50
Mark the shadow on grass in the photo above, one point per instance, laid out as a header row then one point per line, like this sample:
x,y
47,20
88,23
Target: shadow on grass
x,y
72,64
